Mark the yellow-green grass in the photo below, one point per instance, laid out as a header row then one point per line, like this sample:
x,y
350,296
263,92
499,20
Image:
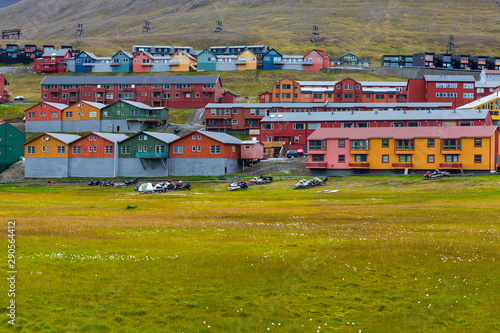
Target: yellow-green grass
x,y
382,254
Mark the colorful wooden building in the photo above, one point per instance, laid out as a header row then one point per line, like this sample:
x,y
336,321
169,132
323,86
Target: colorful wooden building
x,y
183,62
294,128
11,145
145,154
122,62
94,155
243,117
53,61
398,150
316,59
247,60
206,61
159,91
205,153
490,102
5,93
47,155
130,117
44,117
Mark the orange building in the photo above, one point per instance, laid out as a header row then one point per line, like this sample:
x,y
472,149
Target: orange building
x,y
83,110
247,60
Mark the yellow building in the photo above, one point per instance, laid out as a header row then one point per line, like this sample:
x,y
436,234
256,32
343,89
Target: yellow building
x,y
465,148
490,102
183,62
247,60
83,110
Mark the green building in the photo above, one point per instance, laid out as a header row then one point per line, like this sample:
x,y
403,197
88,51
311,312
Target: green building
x,y
11,145
130,116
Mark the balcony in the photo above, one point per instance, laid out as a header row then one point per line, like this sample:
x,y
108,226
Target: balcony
x,y
53,90
187,89
278,62
102,98
157,89
88,64
208,89
359,165
402,165
308,63
241,62
128,89
316,165
73,89
147,64
450,165
101,89
151,155
115,63
157,98
174,63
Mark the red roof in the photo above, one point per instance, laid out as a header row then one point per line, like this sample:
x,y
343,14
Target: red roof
x,y
446,132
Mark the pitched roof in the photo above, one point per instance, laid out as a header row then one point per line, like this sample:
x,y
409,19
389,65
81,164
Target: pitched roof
x,y
222,137
463,114
94,104
132,79
125,53
449,78
59,106
165,137
446,132
113,137
66,138
57,53
328,105
141,105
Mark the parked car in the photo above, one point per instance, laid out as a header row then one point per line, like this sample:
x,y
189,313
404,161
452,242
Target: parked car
x,y
436,174
19,98
295,153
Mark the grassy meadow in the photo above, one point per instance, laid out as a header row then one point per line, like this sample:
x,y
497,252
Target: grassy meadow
x,y
383,254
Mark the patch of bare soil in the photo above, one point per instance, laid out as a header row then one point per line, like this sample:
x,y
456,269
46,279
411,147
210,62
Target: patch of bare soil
x,y
14,173
278,166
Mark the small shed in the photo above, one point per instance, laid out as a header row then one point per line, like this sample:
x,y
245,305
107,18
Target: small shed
x,y
266,97
252,150
229,97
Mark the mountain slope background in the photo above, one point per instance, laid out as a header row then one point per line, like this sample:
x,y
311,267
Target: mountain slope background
x,y
368,28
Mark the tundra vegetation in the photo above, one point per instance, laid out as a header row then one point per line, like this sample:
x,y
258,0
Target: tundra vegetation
x,y
382,254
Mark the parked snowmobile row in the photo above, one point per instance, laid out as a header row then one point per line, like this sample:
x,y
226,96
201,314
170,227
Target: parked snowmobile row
x,y
244,184
303,183
148,188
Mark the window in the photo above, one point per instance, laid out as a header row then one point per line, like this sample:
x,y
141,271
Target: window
x,y
159,149
31,114
267,126
193,148
397,124
69,114
108,150
95,149
469,95
347,125
144,149
134,112
360,158
317,144
53,114
451,158
31,149
92,114
363,125
430,143
385,158
313,126
234,121
405,158
299,126
413,124
478,142
61,149
385,143
478,158
341,143
235,111
125,149
341,158
296,139
430,158
215,149
452,144
359,145
178,150
77,149
90,149
405,145
318,158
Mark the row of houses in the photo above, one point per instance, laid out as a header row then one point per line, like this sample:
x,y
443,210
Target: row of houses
x,y
145,59
144,154
83,116
456,89
13,53
441,60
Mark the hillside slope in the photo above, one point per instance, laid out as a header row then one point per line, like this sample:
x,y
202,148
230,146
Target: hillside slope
x,y
369,27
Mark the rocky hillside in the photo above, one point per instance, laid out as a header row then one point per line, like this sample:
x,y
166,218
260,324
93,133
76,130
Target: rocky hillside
x,y
367,27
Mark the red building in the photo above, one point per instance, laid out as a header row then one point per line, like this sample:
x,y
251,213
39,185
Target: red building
x,y
142,62
294,128
457,89
4,90
52,61
243,117
193,91
315,60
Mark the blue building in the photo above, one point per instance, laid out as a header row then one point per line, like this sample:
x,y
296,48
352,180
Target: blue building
x,y
272,60
122,62
206,61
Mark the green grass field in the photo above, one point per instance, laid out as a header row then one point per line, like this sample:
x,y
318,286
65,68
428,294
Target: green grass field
x,y
383,254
